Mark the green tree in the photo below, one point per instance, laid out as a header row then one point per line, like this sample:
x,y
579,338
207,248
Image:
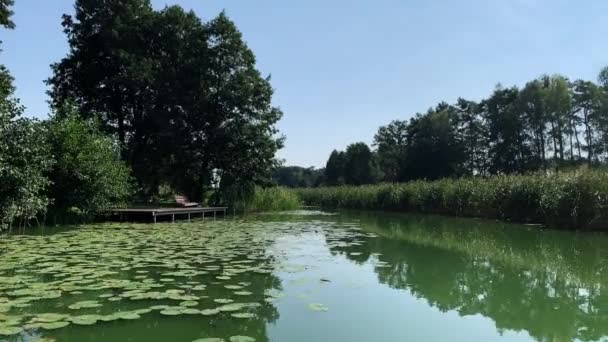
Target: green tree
x,y
587,104
24,153
360,165
297,177
472,135
532,107
184,97
6,13
559,107
88,176
391,146
509,149
335,168
433,150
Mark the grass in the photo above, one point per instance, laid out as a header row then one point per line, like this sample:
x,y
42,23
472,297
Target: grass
x,y
570,200
270,199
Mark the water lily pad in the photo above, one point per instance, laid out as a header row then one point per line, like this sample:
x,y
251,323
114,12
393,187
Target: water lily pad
x,y
189,303
85,319
223,301
171,312
317,307
209,339
54,325
210,312
240,338
243,315
7,330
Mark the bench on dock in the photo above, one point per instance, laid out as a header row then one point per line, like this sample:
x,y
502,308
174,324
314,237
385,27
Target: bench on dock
x,y
156,212
184,201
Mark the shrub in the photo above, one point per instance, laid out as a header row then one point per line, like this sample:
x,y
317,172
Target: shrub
x,y
88,176
24,161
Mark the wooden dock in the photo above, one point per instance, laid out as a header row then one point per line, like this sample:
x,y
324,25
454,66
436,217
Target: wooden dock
x,y
157,212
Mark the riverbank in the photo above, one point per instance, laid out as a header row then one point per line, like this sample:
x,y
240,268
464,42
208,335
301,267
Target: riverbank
x,y
574,200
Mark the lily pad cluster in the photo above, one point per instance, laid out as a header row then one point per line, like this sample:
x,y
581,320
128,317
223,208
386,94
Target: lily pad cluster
x,y
96,274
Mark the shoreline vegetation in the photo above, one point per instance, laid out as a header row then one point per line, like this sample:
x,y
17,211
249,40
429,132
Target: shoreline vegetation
x,y
573,200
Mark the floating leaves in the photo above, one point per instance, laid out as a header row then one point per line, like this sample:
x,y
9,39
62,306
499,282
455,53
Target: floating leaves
x,y
318,307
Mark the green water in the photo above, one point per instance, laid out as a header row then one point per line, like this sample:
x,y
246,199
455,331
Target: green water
x,y
305,276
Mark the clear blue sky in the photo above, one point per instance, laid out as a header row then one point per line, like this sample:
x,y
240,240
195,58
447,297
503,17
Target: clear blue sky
x,y
342,68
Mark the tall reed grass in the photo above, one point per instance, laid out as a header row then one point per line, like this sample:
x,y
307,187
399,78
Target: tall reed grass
x,y
570,200
270,199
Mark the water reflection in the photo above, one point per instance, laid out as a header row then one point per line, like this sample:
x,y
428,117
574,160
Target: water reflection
x,y
553,285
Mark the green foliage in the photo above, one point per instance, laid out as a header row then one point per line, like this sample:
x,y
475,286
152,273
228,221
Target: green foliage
x,y
25,158
335,168
6,13
24,153
269,199
184,97
297,177
88,176
571,200
391,145
356,166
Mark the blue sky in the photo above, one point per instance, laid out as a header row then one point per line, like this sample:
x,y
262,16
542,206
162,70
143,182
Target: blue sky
x,y
342,68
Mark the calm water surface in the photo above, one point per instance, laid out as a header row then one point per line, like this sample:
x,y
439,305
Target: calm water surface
x,y
305,276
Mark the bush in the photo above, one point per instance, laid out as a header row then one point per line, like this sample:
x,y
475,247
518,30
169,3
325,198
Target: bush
x,y
88,176
24,161
572,199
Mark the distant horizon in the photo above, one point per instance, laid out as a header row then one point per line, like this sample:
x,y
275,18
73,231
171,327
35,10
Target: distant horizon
x,y
360,65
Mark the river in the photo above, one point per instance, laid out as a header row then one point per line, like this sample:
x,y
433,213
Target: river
x,y
305,276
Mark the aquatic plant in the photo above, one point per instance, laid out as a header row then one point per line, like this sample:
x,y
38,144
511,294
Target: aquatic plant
x,y
570,200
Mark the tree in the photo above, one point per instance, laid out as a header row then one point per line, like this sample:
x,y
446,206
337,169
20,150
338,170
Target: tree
x,y
391,145
6,13
472,134
559,109
335,168
531,103
360,165
24,153
587,104
509,151
297,177
184,97
88,176
433,150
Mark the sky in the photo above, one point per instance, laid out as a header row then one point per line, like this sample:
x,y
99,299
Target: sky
x,y
343,68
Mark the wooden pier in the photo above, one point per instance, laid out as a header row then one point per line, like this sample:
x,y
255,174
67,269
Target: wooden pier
x,y
157,212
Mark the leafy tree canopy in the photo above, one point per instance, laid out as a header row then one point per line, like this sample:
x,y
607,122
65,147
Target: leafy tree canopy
x,y
184,97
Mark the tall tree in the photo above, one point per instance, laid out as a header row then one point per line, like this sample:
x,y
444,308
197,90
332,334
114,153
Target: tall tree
x,y
472,135
559,109
532,106
391,145
587,105
508,148
183,97
334,169
360,165
434,150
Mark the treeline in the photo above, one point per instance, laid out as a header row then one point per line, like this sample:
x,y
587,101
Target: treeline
x,y
549,124
144,100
